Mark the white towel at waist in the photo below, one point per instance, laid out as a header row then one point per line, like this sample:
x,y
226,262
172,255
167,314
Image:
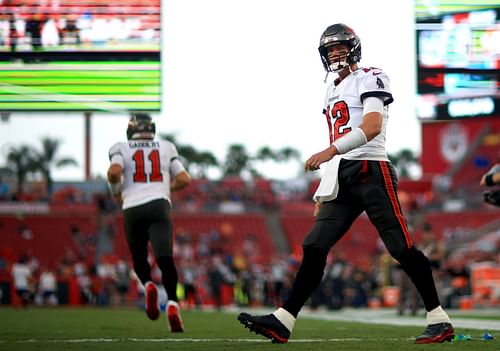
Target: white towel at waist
x,y
328,188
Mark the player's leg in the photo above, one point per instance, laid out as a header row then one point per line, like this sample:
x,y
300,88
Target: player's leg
x,y
384,210
161,237
332,222
137,239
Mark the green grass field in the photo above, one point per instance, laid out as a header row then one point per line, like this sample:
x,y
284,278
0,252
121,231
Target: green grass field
x,y
80,86
129,329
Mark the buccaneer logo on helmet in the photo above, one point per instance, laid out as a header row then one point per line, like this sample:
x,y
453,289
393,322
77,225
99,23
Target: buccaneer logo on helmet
x,y
140,126
339,34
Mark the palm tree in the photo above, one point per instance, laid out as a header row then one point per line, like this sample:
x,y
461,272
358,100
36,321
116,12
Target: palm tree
x,y
237,160
289,153
47,159
283,155
192,158
265,153
402,161
204,161
21,161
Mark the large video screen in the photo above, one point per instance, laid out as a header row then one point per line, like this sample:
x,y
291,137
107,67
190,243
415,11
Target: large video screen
x,y
80,55
458,64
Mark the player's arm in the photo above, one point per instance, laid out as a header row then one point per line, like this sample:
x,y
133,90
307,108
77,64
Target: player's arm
x,y
181,180
181,177
492,177
317,206
115,173
367,130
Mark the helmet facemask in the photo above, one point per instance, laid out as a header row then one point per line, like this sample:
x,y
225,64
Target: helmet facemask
x,y
338,62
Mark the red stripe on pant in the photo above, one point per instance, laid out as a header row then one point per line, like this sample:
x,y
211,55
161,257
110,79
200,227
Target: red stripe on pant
x,y
395,203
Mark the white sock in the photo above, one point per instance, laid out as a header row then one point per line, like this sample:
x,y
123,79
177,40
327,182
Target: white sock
x,y
437,315
285,317
172,302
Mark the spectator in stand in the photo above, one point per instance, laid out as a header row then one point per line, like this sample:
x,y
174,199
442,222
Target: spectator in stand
x,y
13,34
216,280
71,32
123,278
279,268
431,246
457,271
22,276
34,27
24,231
47,286
189,275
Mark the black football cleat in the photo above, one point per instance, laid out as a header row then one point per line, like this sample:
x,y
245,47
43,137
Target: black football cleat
x,y
268,326
436,333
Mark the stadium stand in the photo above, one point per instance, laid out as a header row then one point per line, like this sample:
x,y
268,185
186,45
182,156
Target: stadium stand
x,y
73,226
447,227
359,243
231,231
50,238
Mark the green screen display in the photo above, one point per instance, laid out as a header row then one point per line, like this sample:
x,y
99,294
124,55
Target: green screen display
x,y
80,86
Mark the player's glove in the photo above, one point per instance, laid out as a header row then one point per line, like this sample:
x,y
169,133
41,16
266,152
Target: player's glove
x,y
492,197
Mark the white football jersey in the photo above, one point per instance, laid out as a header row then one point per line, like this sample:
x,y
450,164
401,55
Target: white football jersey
x,y
344,110
22,275
148,166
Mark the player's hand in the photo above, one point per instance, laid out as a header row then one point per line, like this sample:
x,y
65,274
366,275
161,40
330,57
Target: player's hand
x,y
313,163
317,206
483,180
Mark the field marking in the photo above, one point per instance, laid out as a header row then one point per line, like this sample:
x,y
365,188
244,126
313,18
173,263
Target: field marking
x,y
111,340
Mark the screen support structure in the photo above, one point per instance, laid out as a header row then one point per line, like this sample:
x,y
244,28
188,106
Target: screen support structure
x,y
88,142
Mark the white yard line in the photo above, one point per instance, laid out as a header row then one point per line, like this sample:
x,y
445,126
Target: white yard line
x,y
205,340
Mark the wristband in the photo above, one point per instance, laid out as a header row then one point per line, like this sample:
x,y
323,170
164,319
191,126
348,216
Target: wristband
x,y
115,188
489,179
350,141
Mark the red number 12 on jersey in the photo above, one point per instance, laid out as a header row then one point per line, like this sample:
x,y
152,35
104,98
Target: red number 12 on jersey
x,y
339,112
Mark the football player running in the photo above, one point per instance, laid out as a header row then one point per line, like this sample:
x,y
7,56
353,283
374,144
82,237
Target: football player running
x,y
358,177
142,174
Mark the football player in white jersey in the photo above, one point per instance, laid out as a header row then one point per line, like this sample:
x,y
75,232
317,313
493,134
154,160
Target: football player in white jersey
x,y
358,177
142,174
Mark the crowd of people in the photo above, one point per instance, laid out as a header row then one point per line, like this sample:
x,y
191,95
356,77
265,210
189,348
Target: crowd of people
x,y
214,274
